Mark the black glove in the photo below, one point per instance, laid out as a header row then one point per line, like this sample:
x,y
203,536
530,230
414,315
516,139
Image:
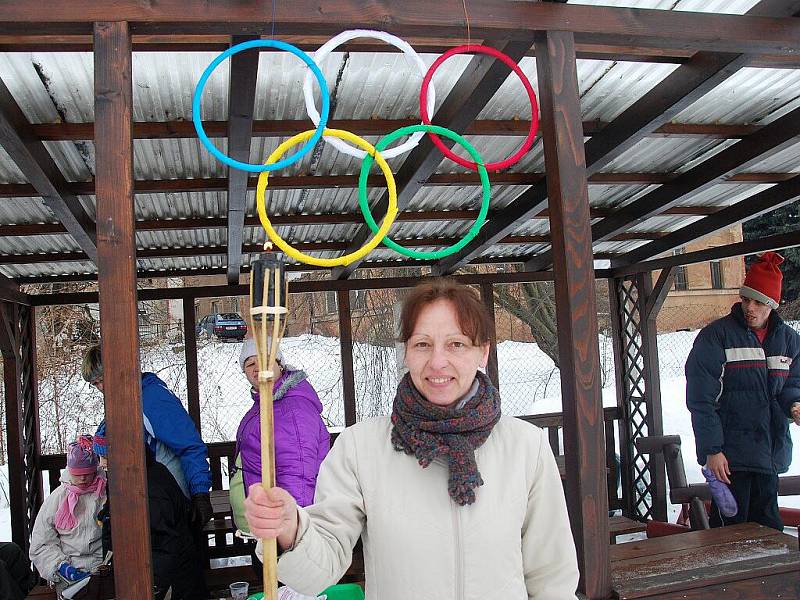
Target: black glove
x,y
202,511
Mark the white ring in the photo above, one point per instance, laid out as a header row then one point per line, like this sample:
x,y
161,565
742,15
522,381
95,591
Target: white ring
x,y
333,43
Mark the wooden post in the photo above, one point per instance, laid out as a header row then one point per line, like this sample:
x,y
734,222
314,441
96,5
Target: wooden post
x,y
116,263
346,345
620,370
9,334
190,353
649,305
576,309
492,370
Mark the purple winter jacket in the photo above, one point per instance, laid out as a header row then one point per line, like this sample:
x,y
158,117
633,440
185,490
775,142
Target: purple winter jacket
x,y
301,438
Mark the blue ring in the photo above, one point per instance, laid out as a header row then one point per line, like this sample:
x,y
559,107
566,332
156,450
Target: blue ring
x,y
259,168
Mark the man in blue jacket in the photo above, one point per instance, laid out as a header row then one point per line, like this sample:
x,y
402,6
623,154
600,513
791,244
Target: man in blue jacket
x,y
742,388
170,434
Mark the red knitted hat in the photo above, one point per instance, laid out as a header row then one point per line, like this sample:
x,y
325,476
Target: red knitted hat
x,y
763,280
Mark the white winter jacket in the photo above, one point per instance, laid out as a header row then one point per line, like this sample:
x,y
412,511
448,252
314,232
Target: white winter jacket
x,y
513,543
82,546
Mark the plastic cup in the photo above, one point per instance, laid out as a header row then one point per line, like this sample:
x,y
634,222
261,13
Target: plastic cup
x,y
239,590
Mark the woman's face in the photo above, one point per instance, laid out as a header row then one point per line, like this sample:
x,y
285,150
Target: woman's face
x,y
441,359
83,480
251,371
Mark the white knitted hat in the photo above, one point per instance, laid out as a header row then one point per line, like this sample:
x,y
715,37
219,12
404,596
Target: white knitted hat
x,y
249,349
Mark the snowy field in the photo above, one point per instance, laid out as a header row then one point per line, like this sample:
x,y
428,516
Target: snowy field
x,y
529,384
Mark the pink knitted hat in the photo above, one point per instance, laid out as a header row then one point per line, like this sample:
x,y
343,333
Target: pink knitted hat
x,y
81,459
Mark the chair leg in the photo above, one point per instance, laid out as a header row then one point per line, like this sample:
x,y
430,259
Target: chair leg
x,y
698,516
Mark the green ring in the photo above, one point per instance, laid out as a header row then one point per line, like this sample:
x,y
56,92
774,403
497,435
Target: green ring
x,y
484,175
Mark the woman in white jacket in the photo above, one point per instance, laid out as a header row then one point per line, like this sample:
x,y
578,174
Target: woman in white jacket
x,y
452,501
66,541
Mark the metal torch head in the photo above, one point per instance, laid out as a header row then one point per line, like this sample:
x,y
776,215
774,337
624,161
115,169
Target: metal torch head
x,y
268,270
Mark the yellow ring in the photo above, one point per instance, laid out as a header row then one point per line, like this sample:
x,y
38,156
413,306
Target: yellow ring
x,y
391,211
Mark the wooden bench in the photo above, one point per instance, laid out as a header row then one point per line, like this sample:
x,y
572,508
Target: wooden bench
x,y
623,526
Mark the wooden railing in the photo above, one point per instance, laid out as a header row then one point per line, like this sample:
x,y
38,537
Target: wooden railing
x,y
221,543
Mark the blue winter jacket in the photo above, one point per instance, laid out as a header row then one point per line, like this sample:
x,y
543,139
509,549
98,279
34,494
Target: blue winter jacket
x,y
172,436
740,393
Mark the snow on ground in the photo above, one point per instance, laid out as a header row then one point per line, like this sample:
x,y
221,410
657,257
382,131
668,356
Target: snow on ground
x,y
529,384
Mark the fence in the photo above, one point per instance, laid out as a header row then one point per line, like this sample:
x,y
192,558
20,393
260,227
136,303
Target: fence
x,y
222,544
529,377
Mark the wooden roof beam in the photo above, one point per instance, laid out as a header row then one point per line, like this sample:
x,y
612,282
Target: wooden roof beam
x,y
490,19
689,82
9,291
220,184
24,230
475,87
744,210
316,246
241,99
768,141
773,242
619,52
52,132
41,171
295,286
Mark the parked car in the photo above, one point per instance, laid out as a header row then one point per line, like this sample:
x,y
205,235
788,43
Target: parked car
x,y
223,326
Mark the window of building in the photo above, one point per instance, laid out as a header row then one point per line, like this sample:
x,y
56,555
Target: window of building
x,y
681,279
359,299
330,302
716,275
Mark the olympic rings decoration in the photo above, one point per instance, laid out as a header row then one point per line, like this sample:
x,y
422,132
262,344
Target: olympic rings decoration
x,y
484,176
244,166
526,145
322,53
391,211
353,145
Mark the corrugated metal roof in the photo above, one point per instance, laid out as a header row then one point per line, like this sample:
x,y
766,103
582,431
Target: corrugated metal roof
x,y
734,7
58,87
15,211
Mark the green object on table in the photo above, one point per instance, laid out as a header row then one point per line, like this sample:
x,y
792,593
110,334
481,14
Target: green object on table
x,y
342,591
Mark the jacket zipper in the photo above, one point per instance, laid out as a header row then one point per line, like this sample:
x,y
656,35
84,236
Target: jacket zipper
x,y
459,555
770,333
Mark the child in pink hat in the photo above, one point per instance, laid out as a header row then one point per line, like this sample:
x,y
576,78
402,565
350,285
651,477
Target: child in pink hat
x,y
66,541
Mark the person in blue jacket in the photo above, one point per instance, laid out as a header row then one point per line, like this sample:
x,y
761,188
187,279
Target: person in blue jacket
x,y
743,388
170,434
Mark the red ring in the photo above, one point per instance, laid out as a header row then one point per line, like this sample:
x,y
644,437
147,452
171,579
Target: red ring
x,y
423,94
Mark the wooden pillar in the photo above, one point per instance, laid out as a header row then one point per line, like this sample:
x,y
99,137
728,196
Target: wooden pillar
x,y
190,353
18,347
650,303
9,335
635,303
116,254
346,345
31,431
576,309
618,337
487,296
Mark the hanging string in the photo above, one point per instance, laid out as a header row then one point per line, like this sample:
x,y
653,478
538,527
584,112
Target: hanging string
x,y
466,17
273,20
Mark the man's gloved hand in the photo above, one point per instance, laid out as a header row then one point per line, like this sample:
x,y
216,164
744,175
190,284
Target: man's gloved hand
x,y
202,511
70,573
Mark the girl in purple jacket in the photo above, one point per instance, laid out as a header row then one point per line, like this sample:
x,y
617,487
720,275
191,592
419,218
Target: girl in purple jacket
x,y
301,438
